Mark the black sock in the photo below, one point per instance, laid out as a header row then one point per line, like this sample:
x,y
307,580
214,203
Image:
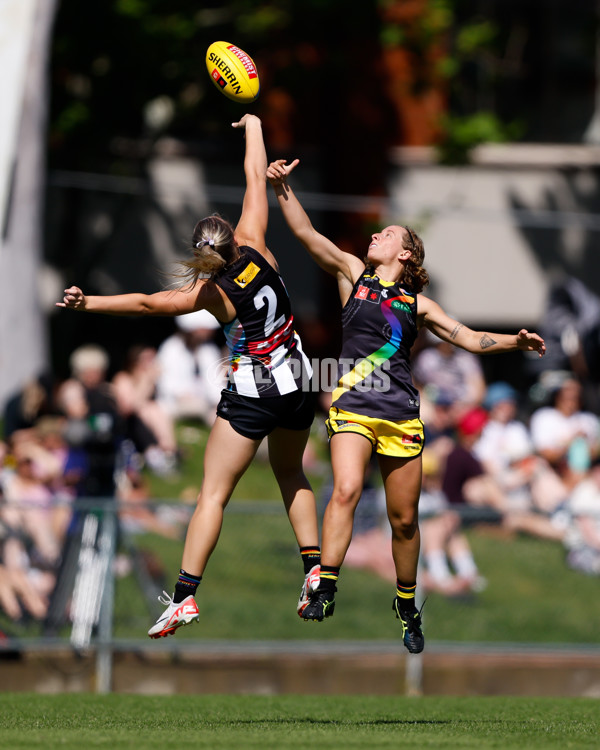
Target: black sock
x,y
186,585
329,576
311,556
405,593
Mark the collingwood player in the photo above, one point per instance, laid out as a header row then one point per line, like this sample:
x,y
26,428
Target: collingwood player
x,y
232,274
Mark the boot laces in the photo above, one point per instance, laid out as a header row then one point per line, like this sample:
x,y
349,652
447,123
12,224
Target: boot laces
x,y
165,599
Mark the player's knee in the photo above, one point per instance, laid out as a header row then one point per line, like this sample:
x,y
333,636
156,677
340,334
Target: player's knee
x,y
405,524
346,494
208,499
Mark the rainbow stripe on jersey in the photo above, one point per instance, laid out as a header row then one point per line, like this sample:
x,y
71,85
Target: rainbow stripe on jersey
x,y
379,329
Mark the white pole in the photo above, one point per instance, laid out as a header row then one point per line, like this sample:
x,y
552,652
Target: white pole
x,y
25,39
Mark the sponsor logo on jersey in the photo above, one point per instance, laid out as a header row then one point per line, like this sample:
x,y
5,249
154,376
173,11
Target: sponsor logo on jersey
x,y
397,305
411,439
247,275
370,295
341,424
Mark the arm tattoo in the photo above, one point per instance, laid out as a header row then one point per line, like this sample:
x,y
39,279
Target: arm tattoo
x,y
457,328
486,341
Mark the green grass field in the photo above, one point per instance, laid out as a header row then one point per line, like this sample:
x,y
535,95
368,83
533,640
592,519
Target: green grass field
x,y
73,722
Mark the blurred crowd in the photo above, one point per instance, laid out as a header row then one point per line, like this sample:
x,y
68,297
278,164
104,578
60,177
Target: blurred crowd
x,y
93,438
522,460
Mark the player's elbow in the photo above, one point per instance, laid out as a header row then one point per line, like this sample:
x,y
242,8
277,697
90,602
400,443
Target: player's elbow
x,y
256,175
148,305
469,341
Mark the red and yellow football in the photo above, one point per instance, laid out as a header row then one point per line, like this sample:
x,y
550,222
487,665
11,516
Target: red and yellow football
x,y
233,72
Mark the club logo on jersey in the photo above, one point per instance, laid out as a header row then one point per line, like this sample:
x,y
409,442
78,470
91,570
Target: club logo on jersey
x,y
369,295
247,275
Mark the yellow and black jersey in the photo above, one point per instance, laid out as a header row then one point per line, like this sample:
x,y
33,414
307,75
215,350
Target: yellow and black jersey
x,y
379,328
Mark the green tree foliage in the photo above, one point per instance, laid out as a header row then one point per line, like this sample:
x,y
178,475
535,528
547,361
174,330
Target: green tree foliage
x,y
135,69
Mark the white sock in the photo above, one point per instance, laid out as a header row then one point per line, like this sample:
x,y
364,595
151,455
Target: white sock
x,y
465,566
437,565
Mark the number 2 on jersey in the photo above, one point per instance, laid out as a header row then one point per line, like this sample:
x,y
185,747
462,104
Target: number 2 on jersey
x,y
266,295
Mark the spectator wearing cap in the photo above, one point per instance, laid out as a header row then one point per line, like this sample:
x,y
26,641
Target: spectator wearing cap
x,y
533,489
439,415
465,480
502,432
527,495
192,372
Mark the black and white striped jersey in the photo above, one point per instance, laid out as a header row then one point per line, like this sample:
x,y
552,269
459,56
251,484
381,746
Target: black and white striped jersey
x,y
265,352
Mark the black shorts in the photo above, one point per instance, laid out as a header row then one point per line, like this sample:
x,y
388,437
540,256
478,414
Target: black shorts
x,y
255,418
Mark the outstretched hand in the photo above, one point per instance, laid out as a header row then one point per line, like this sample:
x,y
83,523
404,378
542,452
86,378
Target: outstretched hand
x,y
530,342
242,123
278,170
74,299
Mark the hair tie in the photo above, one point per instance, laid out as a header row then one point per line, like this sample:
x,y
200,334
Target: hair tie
x,y
210,242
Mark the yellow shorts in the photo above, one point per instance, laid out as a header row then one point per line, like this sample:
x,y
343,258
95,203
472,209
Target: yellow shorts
x,y
402,439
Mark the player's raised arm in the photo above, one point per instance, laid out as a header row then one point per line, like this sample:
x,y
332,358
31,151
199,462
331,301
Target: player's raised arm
x,y
330,257
252,226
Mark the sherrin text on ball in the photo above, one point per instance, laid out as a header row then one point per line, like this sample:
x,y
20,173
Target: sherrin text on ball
x,y
233,72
